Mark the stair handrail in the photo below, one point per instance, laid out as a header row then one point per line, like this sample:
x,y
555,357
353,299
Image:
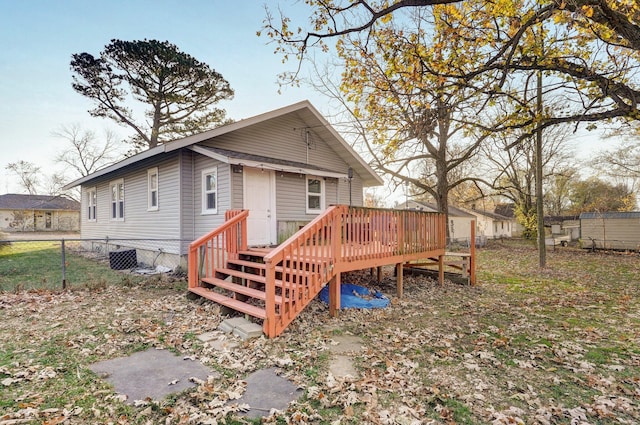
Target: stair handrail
x,y
311,246
341,235
228,239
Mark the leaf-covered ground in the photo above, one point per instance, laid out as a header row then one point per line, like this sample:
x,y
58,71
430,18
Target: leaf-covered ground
x,y
553,346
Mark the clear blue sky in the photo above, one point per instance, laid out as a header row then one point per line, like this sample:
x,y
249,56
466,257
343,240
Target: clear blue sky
x,y
38,37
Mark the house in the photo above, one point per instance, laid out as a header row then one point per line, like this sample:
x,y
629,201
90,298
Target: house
x,y
563,225
285,166
38,213
610,230
508,210
459,220
492,225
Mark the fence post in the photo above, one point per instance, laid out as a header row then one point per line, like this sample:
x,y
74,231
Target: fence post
x,y
64,266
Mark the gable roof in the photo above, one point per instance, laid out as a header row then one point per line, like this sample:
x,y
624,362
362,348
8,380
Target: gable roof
x,y
250,160
453,211
14,201
507,210
304,110
491,215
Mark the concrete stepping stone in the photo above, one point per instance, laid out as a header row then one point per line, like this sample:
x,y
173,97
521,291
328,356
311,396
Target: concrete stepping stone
x,y
343,349
241,328
346,344
150,374
218,341
267,390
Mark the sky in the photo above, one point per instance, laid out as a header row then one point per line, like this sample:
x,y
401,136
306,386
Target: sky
x,y
38,37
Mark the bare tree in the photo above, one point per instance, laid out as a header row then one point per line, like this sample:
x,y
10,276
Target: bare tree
x,y
28,173
620,164
514,169
84,154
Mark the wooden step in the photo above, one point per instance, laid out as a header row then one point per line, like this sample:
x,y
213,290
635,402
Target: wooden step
x,y
249,309
242,275
256,252
239,289
262,267
247,263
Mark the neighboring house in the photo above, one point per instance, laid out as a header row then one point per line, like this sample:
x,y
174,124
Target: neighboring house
x,y
610,230
38,213
508,210
285,166
459,220
492,225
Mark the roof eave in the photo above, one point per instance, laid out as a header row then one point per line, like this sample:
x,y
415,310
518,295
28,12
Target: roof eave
x,y
111,168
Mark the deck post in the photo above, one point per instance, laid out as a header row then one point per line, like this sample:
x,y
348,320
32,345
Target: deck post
x,y
441,269
379,274
399,276
472,258
334,295
270,299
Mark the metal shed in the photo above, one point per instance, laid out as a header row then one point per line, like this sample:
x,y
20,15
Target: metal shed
x,y
610,230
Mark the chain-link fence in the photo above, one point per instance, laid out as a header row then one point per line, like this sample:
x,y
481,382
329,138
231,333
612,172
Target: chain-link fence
x,y
59,263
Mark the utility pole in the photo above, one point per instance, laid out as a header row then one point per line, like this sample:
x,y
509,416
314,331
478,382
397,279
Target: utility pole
x,y
542,249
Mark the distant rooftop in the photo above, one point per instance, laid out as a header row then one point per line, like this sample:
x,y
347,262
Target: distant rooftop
x,y
14,201
612,214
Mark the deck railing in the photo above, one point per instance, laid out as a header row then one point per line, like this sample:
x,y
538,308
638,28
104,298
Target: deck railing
x,y
211,251
343,239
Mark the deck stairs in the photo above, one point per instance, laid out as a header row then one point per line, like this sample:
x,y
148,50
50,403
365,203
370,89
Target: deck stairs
x,y
240,285
275,284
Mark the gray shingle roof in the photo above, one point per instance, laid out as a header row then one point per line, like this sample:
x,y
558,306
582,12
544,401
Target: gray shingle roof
x,y
14,201
612,214
453,211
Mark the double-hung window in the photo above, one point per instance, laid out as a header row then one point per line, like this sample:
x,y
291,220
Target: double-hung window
x,y
92,201
117,200
315,195
210,191
152,189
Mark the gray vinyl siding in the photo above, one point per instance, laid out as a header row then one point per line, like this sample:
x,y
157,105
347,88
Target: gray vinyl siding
x,y
357,195
204,223
237,189
188,202
290,198
180,184
282,138
291,192
138,221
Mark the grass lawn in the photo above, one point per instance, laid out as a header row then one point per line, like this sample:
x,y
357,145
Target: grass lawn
x,y
553,346
34,265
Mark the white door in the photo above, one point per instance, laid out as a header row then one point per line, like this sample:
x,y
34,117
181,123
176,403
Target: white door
x,y
259,199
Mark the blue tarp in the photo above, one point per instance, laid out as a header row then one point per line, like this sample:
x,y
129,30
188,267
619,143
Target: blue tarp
x,y
354,296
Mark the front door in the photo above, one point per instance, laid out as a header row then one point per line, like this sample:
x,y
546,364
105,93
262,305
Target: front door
x,y
259,199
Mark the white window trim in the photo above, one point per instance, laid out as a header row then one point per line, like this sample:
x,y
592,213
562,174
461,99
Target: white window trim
x,y
322,195
205,173
90,191
117,201
151,172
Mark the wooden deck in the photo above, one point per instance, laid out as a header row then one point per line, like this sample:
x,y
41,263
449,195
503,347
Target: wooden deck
x,y
276,284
